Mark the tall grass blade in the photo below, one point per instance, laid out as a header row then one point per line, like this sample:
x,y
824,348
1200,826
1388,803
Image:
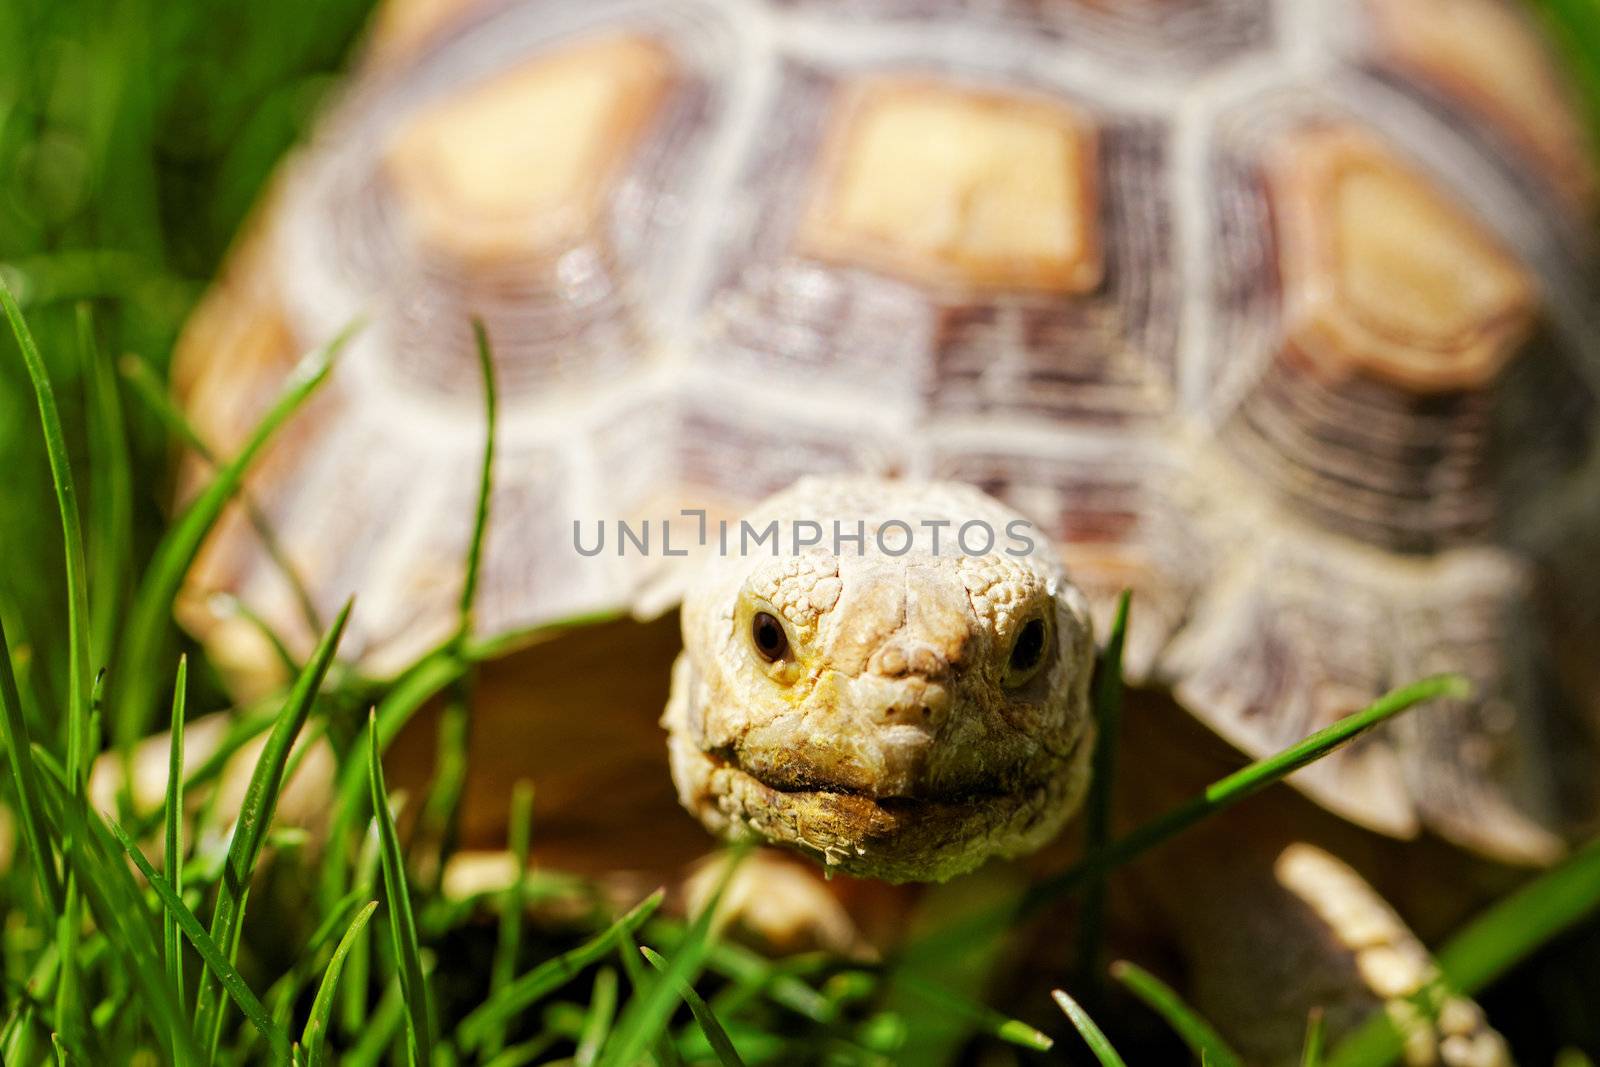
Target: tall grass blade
x,y
94,860
991,1022
716,1036
1311,1052
173,836
1201,1037
440,810
216,960
255,816
597,1023
550,976
111,489
509,941
149,621
402,924
78,641
316,1033
1107,701
1092,1034
66,492
665,1052
480,523
1250,780
25,776
1514,926
525,1053
425,679
353,1003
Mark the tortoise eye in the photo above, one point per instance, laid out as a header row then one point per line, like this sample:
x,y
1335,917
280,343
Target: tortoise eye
x,y
768,635
1027,652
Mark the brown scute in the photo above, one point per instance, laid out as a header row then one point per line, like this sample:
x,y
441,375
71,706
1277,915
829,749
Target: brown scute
x,y
1485,59
950,186
1377,413
520,164
1384,276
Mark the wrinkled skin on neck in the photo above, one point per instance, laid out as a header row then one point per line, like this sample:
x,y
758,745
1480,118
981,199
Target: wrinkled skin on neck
x,y
927,711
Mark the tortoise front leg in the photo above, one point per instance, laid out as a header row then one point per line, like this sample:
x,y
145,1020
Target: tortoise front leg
x,y
1267,939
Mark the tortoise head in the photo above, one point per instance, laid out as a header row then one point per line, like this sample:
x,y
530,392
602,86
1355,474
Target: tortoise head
x,y
894,678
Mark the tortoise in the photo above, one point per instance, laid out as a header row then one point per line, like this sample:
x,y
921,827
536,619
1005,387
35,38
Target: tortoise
x,y
1278,315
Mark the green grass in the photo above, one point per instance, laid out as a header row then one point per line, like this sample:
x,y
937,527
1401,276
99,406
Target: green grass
x,y
134,136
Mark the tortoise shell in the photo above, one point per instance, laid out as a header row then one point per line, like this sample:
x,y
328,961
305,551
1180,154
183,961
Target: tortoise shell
x,y
1279,315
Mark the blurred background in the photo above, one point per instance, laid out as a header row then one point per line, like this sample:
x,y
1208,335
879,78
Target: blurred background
x,y
134,138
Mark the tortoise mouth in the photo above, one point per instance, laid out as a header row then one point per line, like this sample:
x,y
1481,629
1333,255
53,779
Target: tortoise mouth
x,y
797,781
892,838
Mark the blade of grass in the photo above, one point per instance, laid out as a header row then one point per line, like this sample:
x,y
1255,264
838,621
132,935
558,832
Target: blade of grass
x,y
111,488
316,1031
1092,1034
282,995
664,1050
149,621
117,905
1311,1053
716,1036
402,924
1201,1037
174,828
22,658
744,967
78,669
647,1015
597,1024
442,807
1011,1031
72,538
353,1004
525,1053
25,776
68,1001
1489,945
216,961
255,816
480,522
1107,701
1250,780
414,688
549,976
16,1042
508,943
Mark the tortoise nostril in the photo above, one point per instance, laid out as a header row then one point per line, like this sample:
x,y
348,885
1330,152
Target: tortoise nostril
x,y
923,704
904,659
